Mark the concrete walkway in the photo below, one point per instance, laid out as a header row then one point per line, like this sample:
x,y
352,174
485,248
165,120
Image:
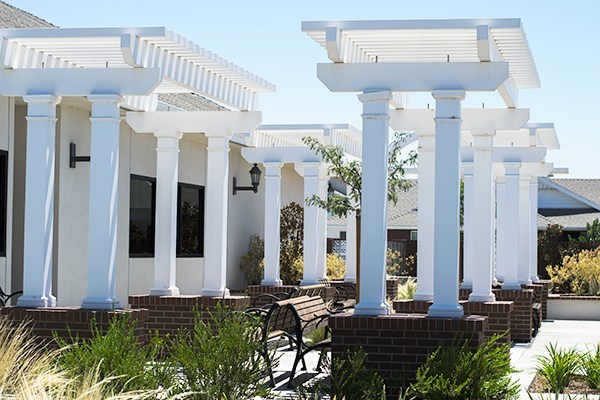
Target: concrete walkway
x,y
580,334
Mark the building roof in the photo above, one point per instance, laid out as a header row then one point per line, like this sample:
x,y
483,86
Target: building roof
x,y
13,17
585,190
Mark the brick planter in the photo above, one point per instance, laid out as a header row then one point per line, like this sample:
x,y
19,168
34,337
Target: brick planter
x,y
546,286
521,322
499,314
70,322
168,314
253,291
391,287
397,344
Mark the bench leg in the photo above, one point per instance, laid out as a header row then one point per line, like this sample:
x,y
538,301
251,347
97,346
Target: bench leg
x,y
322,356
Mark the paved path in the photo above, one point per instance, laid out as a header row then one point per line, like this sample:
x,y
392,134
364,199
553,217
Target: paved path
x,y
580,334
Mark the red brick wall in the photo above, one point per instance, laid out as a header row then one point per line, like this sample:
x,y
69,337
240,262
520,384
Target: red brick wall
x,y
167,314
70,322
397,344
521,322
499,314
391,287
546,285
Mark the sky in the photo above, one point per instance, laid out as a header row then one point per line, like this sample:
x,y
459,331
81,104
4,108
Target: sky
x,y
264,37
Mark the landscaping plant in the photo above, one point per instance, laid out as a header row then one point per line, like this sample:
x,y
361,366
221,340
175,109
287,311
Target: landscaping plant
x,y
220,358
456,372
349,379
590,365
578,274
117,355
559,367
336,267
292,241
407,290
253,262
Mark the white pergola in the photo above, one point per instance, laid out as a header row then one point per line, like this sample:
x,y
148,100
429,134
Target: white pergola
x,y
276,145
121,68
444,57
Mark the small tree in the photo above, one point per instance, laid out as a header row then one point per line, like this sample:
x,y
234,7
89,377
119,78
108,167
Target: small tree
x,y
592,232
292,240
550,247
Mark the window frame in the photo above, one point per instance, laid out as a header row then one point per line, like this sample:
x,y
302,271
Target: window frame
x,y
153,218
3,203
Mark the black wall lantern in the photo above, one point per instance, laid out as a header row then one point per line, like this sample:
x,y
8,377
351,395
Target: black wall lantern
x,y
255,173
330,190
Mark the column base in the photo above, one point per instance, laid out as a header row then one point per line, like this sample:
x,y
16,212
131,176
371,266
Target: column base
x,y
171,291
482,298
525,282
350,279
223,292
423,296
466,285
272,282
535,279
495,282
446,310
101,303
372,309
500,278
36,301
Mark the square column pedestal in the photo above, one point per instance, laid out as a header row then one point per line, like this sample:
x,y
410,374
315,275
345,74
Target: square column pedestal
x,y
397,344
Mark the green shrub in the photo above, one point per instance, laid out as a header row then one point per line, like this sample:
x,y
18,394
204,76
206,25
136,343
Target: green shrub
x,y
579,273
292,241
457,372
591,368
336,267
350,379
220,359
117,353
253,262
559,367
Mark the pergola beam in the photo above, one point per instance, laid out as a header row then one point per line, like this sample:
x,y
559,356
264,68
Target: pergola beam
x,y
280,154
78,81
413,77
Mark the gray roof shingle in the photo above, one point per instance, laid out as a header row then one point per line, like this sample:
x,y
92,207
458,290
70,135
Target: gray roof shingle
x,y
586,188
190,102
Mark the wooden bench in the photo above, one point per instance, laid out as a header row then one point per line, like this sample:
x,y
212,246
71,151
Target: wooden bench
x,y
536,316
344,297
294,318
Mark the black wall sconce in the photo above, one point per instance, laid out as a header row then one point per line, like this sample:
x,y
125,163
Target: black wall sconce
x,y
74,158
330,190
255,173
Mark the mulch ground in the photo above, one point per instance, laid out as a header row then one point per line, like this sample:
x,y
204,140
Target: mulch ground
x,y
577,386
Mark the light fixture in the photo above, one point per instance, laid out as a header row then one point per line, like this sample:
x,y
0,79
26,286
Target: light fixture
x,y
74,158
330,190
255,173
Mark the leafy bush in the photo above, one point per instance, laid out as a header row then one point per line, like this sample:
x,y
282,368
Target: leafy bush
x,y
579,273
350,379
550,246
456,372
398,265
116,354
292,240
253,262
220,358
592,232
407,290
559,367
591,368
336,267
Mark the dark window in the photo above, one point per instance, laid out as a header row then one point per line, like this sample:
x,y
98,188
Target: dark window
x,y
142,209
3,199
190,221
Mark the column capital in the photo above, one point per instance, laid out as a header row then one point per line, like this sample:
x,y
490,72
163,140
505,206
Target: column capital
x,y
308,169
273,169
106,98
467,168
218,143
42,98
220,133
511,168
369,97
448,94
483,141
168,133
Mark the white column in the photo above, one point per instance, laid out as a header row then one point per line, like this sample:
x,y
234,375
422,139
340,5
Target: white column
x,y
468,226
350,247
533,230
425,208
374,203
103,210
508,229
272,227
500,229
217,200
483,217
447,204
322,228
310,172
167,173
39,201
524,231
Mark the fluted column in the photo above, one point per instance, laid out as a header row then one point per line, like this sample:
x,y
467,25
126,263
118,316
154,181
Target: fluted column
x,y
217,200
500,229
165,243
524,230
374,203
322,228
468,226
272,219
350,246
39,201
533,230
310,172
425,221
103,211
508,229
447,204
